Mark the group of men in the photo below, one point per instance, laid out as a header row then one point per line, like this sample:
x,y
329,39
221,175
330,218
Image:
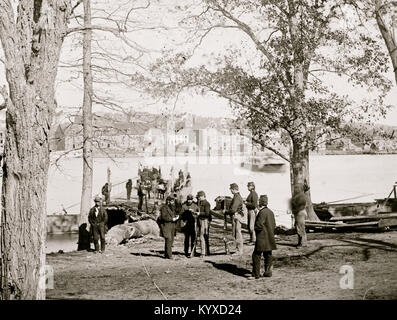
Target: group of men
x,y
194,219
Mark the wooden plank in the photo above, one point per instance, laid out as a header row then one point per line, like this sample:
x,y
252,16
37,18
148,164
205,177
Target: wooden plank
x,y
387,223
373,217
343,225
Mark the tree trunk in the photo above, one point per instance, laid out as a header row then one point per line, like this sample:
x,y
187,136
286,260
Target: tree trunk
x,y
299,167
386,29
86,193
31,45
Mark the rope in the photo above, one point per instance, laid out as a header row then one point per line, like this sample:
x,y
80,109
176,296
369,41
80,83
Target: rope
x,y
361,196
64,210
150,277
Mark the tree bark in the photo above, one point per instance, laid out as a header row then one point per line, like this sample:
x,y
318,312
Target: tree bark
x,y
387,31
86,193
31,45
299,167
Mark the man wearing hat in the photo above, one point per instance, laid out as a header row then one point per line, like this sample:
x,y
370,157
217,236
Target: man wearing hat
x,y
98,219
237,214
265,242
252,205
190,212
204,219
168,219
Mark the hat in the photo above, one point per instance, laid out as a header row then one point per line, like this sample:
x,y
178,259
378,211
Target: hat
x,y
251,184
189,197
170,198
234,186
200,193
97,198
263,200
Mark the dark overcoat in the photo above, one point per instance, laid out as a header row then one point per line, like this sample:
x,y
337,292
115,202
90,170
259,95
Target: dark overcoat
x,y
167,225
264,230
102,217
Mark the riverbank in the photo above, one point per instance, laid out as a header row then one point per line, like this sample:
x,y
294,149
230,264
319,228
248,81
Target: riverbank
x,y
138,271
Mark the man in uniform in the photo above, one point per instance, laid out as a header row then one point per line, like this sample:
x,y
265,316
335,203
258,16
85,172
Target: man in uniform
x,y
265,242
252,206
168,219
298,206
204,219
106,193
189,214
140,194
128,186
98,219
237,214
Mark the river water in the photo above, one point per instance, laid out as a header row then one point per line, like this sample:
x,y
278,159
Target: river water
x,y
351,178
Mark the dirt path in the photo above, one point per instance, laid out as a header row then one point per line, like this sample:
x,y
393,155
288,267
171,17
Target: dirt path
x,y
138,271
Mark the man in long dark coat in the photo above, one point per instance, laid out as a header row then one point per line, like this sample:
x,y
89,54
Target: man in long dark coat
x,y
252,205
128,186
98,219
265,242
168,219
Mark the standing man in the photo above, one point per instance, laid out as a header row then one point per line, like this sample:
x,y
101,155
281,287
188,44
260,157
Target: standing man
x,y
298,206
189,214
204,219
140,194
98,219
265,242
128,186
105,192
168,219
237,214
252,206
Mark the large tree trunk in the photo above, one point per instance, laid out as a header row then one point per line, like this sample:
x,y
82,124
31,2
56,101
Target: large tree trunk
x,y
86,194
386,16
31,47
299,167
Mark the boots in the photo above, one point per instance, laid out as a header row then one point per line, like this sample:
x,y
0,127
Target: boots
x,y
299,242
268,266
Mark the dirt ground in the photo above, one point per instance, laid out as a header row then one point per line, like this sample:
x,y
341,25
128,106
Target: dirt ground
x,y
138,271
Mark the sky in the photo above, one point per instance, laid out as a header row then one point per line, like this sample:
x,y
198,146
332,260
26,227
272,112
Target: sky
x,y
69,93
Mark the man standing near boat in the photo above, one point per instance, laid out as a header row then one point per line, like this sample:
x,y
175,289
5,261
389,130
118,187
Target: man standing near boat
x,y
140,194
128,186
204,220
168,219
298,206
265,242
98,219
252,205
237,214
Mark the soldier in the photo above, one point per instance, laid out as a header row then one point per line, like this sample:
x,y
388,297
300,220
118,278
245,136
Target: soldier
x,y
204,220
140,194
237,214
189,214
98,219
106,193
168,218
252,206
265,242
298,206
128,186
